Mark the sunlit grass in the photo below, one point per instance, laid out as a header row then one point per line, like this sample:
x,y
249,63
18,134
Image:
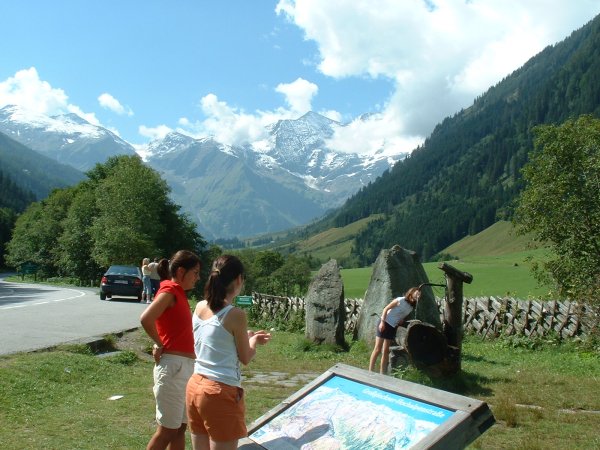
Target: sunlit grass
x,y
506,275
546,397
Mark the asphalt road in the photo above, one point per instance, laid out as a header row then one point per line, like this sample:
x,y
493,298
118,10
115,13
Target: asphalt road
x,y
37,316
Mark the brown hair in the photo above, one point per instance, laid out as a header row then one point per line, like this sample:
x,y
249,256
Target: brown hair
x,y
167,268
410,295
225,269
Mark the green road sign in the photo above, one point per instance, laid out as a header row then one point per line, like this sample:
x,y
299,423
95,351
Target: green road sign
x,y
29,267
243,301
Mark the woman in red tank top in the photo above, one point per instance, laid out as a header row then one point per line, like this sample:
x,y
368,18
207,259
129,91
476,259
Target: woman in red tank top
x,y
168,322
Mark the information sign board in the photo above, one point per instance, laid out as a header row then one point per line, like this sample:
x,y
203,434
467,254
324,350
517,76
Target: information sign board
x,y
352,408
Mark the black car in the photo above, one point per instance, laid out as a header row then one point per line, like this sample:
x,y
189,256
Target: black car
x,y
122,281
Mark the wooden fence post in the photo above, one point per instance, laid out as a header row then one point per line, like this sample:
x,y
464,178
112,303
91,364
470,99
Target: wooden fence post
x,y
453,326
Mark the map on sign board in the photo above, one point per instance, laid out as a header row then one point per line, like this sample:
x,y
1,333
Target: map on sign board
x,y
342,413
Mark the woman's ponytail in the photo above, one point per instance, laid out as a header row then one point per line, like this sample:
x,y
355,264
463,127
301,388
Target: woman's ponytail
x,y
225,269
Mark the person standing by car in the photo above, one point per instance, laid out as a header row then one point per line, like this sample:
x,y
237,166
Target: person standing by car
x,y
147,295
154,276
168,322
214,397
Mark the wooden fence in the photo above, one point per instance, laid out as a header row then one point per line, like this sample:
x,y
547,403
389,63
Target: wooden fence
x,y
490,317
485,316
269,306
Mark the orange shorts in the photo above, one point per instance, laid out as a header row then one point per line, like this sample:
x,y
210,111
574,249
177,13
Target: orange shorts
x,y
216,409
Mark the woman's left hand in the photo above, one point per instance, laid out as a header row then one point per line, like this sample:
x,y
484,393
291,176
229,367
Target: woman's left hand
x,y
157,353
261,337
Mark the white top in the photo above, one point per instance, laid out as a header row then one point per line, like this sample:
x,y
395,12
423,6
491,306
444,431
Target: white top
x,y
216,353
153,266
398,313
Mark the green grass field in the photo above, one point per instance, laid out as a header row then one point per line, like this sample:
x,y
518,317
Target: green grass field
x,y
499,261
506,275
545,396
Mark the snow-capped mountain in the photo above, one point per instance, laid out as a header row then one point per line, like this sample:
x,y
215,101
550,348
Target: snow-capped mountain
x,y
300,146
66,138
286,180
283,181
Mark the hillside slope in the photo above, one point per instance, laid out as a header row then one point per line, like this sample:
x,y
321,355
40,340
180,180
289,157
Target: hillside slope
x,y
496,240
33,172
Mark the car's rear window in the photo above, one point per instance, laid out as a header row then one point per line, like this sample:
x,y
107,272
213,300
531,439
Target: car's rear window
x,y
122,270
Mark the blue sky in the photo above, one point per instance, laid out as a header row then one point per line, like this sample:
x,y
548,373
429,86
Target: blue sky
x,y
229,68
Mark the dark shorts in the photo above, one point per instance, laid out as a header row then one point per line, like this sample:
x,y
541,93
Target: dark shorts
x,y
389,332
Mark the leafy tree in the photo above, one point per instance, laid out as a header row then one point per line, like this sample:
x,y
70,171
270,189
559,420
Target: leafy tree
x,y
7,221
128,201
293,277
560,204
75,244
35,237
119,215
24,245
265,264
269,272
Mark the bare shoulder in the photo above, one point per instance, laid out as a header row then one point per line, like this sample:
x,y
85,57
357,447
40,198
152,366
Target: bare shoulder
x,y
236,321
237,314
201,306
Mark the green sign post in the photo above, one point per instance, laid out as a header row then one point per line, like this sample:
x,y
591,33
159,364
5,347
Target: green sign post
x,y
29,268
243,301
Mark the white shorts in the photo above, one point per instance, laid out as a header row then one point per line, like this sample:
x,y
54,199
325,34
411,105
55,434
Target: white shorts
x,y
171,375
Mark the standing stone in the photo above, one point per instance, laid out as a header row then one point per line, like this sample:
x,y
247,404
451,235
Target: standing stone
x,y
324,303
394,272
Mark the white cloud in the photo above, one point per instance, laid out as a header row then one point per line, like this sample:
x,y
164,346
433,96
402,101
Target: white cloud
x,y
440,54
25,89
298,95
231,125
377,132
153,133
90,117
109,102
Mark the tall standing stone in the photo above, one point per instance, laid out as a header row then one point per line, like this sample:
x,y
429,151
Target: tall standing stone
x,y
394,272
324,303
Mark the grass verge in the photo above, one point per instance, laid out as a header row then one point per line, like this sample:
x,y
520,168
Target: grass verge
x,y
62,398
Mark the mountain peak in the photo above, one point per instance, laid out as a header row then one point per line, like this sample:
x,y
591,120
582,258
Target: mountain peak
x,y
172,142
66,137
71,118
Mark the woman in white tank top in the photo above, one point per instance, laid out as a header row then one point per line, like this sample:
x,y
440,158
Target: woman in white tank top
x,y
393,315
214,397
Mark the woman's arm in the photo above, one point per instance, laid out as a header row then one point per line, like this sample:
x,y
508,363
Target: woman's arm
x,y
389,306
384,313
148,320
245,342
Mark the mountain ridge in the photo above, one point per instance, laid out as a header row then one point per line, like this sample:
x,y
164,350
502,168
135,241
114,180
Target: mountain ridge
x,y
34,172
284,181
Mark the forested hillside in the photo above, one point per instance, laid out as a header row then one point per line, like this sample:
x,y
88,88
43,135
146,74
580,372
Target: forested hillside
x,y
13,200
26,176
13,197
31,171
466,175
